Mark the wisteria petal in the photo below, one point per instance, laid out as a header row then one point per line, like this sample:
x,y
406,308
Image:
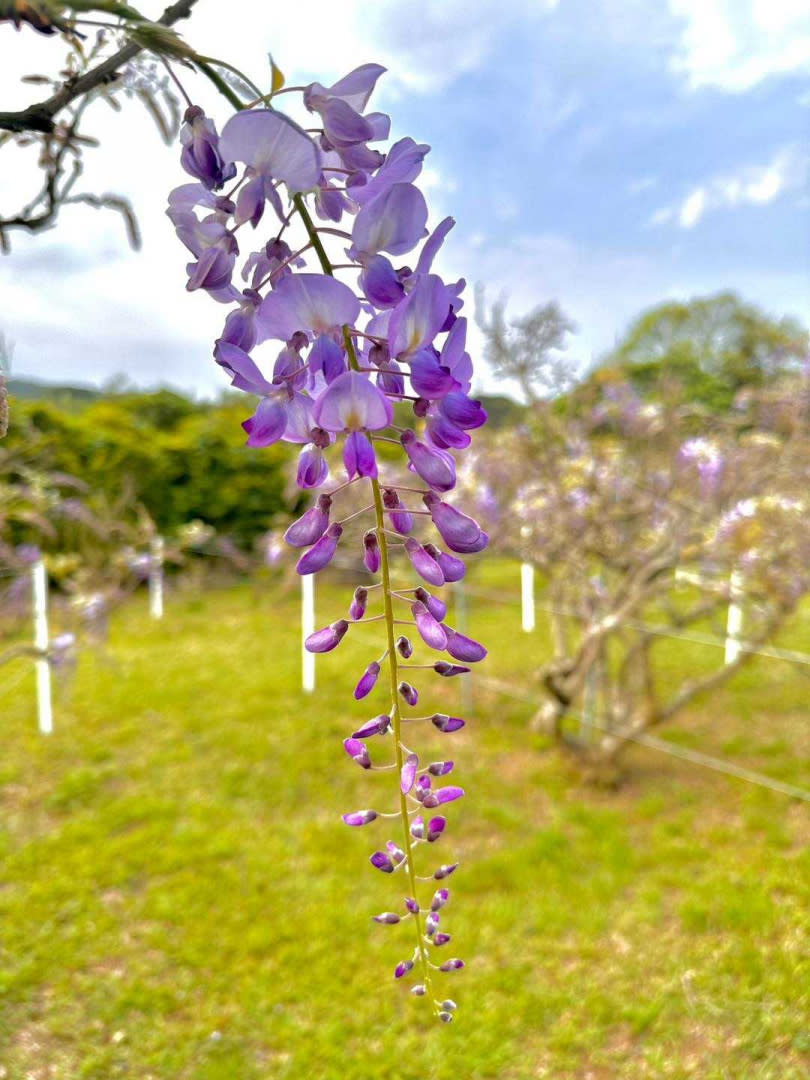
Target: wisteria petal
x,y
267,424
352,403
393,222
274,146
314,303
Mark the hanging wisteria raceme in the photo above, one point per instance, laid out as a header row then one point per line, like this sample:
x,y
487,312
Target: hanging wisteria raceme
x,y
329,345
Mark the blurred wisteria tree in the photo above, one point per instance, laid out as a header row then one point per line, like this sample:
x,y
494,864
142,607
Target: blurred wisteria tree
x,y
647,515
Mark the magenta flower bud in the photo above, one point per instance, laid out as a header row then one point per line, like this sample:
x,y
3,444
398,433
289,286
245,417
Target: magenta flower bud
x,y
367,681
452,568
396,853
446,1017
441,667
431,924
371,552
425,566
429,629
440,898
419,990
403,968
376,726
434,466
322,553
380,861
441,939
408,774
459,532
436,607
360,817
358,605
452,965
441,796
327,639
404,648
358,752
420,407
412,905
463,648
447,724
440,768
422,787
311,525
418,827
401,520
445,870
435,828
409,693
388,918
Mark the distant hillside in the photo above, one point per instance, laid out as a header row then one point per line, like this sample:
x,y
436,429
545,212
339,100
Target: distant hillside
x,y
31,390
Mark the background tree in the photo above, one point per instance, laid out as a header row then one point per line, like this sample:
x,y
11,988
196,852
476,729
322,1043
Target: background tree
x,y
711,346
647,516
528,349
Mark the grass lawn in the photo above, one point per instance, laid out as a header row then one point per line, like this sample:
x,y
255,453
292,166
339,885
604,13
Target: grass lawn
x,y
179,899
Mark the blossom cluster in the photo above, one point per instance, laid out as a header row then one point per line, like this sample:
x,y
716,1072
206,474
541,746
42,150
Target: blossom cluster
x,y
335,348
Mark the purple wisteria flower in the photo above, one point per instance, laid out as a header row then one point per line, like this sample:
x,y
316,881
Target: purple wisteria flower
x,y
327,349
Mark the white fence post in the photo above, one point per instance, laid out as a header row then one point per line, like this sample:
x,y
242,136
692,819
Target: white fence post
x,y
307,628
527,617
41,642
734,622
156,578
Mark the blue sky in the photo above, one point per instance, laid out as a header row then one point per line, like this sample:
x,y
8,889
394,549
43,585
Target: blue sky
x,y
606,153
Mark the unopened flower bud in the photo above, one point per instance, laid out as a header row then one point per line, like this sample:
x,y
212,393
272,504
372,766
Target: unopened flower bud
x,y
411,905
429,629
367,681
329,638
311,525
403,968
322,552
452,965
378,725
440,898
409,693
431,924
360,817
425,566
441,667
371,552
436,607
440,768
452,568
358,752
404,648
419,990
418,828
358,605
408,774
446,724
396,853
445,870
441,939
435,828
446,1017
389,918
380,861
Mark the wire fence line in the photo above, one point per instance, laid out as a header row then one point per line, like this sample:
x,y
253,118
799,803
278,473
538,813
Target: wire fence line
x,y
695,757
695,637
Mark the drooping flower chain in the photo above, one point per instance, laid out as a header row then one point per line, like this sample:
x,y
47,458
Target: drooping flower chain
x,y
347,357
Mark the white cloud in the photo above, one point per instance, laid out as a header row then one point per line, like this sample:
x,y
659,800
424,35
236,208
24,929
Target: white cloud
x,y
754,185
735,44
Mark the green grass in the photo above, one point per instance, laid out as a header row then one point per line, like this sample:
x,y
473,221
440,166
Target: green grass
x,y
179,899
